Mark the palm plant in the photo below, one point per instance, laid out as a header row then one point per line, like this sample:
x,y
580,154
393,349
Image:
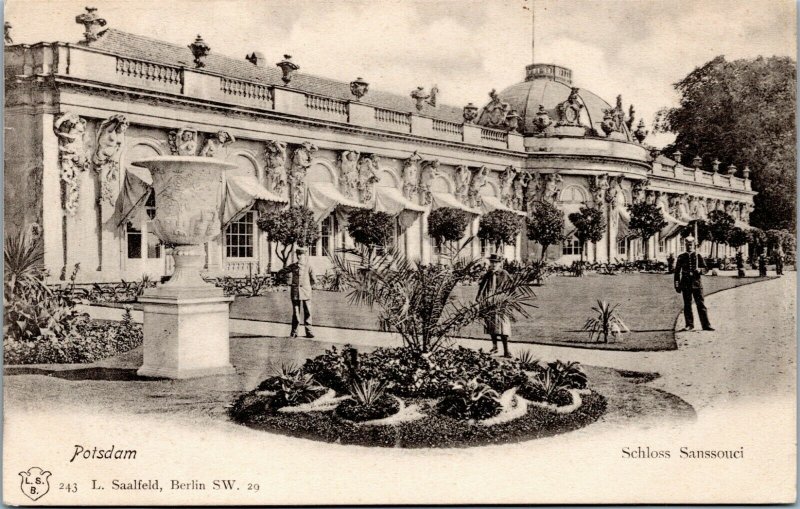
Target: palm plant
x,y
527,361
607,321
417,301
368,392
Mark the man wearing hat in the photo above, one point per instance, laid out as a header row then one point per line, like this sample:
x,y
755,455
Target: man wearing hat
x,y
688,281
495,326
300,292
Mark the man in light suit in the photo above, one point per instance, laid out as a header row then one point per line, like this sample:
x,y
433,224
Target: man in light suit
x,y
689,269
300,292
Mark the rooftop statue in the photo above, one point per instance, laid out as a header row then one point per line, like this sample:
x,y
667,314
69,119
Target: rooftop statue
x,y
569,111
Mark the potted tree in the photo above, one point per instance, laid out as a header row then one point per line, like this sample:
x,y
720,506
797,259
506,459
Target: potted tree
x,y
546,226
590,224
646,220
448,225
499,227
290,227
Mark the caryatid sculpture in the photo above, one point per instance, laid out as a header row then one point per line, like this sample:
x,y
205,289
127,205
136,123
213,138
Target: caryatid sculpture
x,y
534,189
518,197
410,175
614,196
70,128
275,155
507,177
429,171
599,188
367,176
301,161
552,187
639,189
110,137
215,142
348,161
183,142
462,178
478,180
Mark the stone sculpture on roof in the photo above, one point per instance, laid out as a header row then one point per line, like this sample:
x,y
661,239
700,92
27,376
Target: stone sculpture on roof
x,y
494,114
422,98
91,23
569,111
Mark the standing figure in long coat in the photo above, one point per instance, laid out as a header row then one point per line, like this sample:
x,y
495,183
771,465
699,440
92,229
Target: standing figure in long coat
x,y
495,326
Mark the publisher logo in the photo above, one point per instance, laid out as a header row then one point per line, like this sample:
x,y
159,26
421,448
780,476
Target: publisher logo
x,y
35,483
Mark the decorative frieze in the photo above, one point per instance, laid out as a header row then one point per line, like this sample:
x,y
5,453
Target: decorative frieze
x,y
70,128
110,137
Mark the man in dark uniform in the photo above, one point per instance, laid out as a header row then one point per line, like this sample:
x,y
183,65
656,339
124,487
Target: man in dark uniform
x,y
300,292
495,326
688,281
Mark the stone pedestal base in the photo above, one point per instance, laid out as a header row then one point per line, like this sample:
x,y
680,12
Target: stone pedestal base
x,y
186,335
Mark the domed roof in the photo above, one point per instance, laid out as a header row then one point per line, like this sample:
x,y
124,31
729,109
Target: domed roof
x,y
548,86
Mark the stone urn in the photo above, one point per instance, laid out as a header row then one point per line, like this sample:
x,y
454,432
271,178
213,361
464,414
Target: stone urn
x,y
186,319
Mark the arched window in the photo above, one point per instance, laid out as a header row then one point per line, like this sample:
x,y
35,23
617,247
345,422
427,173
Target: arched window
x,y
573,194
572,246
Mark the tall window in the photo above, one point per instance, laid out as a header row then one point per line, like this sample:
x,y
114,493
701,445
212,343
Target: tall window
x,y
571,246
326,235
622,246
662,244
239,237
487,248
135,236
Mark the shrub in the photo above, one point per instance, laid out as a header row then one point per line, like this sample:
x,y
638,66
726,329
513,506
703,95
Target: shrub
x,y
499,227
289,227
297,388
546,225
527,361
470,400
370,228
551,383
447,224
590,226
646,220
369,401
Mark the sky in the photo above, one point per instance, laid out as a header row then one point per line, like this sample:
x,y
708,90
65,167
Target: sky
x,y
637,48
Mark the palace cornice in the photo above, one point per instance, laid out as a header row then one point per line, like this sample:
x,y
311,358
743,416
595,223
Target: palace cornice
x,y
544,160
656,181
160,98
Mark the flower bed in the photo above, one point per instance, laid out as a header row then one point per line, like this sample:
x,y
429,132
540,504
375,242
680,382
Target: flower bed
x,y
87,341
454,396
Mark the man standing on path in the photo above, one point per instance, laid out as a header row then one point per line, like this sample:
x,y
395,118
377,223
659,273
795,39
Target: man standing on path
x,y
688,281
495,326
300,292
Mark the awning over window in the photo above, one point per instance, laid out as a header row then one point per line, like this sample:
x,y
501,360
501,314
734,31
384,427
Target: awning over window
x,y
136,187
392,201
674,224
241,192
440,200
623,224
323,198
491,203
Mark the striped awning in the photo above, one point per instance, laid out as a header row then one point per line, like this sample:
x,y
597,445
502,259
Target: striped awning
x,y
491,203
441,200
324,197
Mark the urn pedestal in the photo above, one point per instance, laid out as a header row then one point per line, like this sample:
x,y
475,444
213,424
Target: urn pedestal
x,y
185,327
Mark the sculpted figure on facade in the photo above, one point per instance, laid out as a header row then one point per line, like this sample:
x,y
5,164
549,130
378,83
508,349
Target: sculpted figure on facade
x,y
275,155
534,190
110,137
348,162
478,180
694,207
301,161
216,142
183,142
614,195
730,209
462,178
569,111
552,187
429,171
518,197
747,209
367,176
507,177
598,186
638,190
70,128
683,207
410,175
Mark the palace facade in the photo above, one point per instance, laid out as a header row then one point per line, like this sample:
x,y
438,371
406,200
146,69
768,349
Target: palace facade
x,y
78,113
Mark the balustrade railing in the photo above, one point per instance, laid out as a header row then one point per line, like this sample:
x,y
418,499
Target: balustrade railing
x,y
448,127
392,117
148,71
327,105
245,89
494,135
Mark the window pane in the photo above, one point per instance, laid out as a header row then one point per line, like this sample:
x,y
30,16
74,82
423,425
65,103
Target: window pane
x,y
134,237
239,237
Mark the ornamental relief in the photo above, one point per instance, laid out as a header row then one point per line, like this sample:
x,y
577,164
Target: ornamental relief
x,y
69,129
110,138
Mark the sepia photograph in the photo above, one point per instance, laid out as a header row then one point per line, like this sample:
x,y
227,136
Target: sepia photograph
x,y
353,252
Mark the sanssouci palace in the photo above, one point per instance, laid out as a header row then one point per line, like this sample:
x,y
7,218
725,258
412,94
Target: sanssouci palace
x,y
78,113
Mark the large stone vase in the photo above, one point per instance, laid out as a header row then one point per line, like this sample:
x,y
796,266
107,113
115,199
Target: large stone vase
x,y
186,319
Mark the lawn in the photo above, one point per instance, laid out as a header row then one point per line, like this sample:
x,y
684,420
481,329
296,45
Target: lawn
x,y
647,302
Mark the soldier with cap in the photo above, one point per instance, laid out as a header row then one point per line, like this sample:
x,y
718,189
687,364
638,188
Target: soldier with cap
x,y
300,292
495,326
689,269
